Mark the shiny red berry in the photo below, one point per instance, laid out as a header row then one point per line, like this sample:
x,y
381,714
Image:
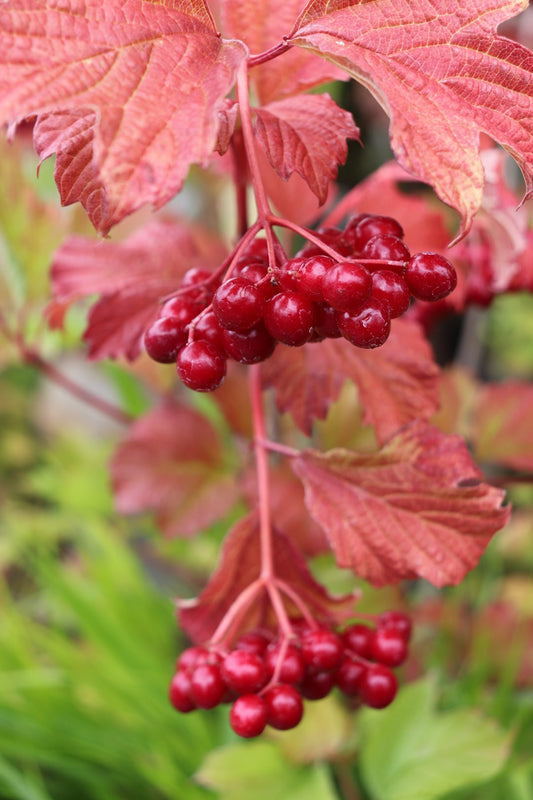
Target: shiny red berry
x,y
244,672
346,286
389,647
398,621
291,668
430,276
289,317
201,366
358,638
207,686
249,715
368,327
164,339
238,304
179,692
285,706
377,686
322,649
391,289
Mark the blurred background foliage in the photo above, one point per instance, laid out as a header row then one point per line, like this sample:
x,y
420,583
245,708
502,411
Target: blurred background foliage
x,y
88,637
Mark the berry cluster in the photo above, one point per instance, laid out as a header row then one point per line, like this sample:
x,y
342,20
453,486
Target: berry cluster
x,y
307,298
266,678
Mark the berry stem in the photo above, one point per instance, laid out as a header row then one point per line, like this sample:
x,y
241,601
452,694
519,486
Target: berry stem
x,y
240,178
263,484
237,609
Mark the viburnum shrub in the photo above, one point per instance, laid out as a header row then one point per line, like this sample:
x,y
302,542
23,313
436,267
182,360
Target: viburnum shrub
x,y
128,95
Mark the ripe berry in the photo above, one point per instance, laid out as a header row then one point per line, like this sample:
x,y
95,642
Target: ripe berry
x,y
369,327
253,642
207,329
285,706
389,647
322,649
333,237
289,318
207,687
346,285
311,274
385,248
238,304
244,672
358,638
374,225
391,289
164,338
179,692
191,657
326,325
251,347
377,686
430,276
197,281
348,676
248,716
317,685
396,620
201,366
292,667
181,308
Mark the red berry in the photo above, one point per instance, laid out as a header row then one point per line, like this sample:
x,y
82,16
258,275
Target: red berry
x,y
430,276
292,668
369,327
346,285
396,620
164,338
207,686
253,642
284,705
389,647
248,716
244,672
358,638
377,686
317,685
191,657
322,649
251,347
289,318
182,308
326,324
201,366
391,289
374,225
348,676
198,281
385,248
333,237
207,329
238,304
179,692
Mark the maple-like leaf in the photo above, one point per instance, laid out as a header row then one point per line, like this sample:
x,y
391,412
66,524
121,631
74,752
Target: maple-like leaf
x,y
239,566
502,424
173,464
442,76
261,25
137,85
132,276
417,508
307,135
397,382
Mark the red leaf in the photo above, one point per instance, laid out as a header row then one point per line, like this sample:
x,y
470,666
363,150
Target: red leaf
x,y
173,464
442,75
502,425
261,25
417,508
239,566
132,276
137,89
397,382
307,135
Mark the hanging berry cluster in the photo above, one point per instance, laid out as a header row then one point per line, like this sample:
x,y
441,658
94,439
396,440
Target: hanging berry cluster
x,y
266,678
347,283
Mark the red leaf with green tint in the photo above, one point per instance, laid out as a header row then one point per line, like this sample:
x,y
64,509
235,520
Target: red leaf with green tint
x,y
137,86
238,567
502,425
172,463
441,74
132,276
417,508
396,382
307,135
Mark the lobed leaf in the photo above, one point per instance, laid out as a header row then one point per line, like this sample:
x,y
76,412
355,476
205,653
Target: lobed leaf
x,y
397,382
416,508
238,567
137,88
307,135
173,464
442,75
